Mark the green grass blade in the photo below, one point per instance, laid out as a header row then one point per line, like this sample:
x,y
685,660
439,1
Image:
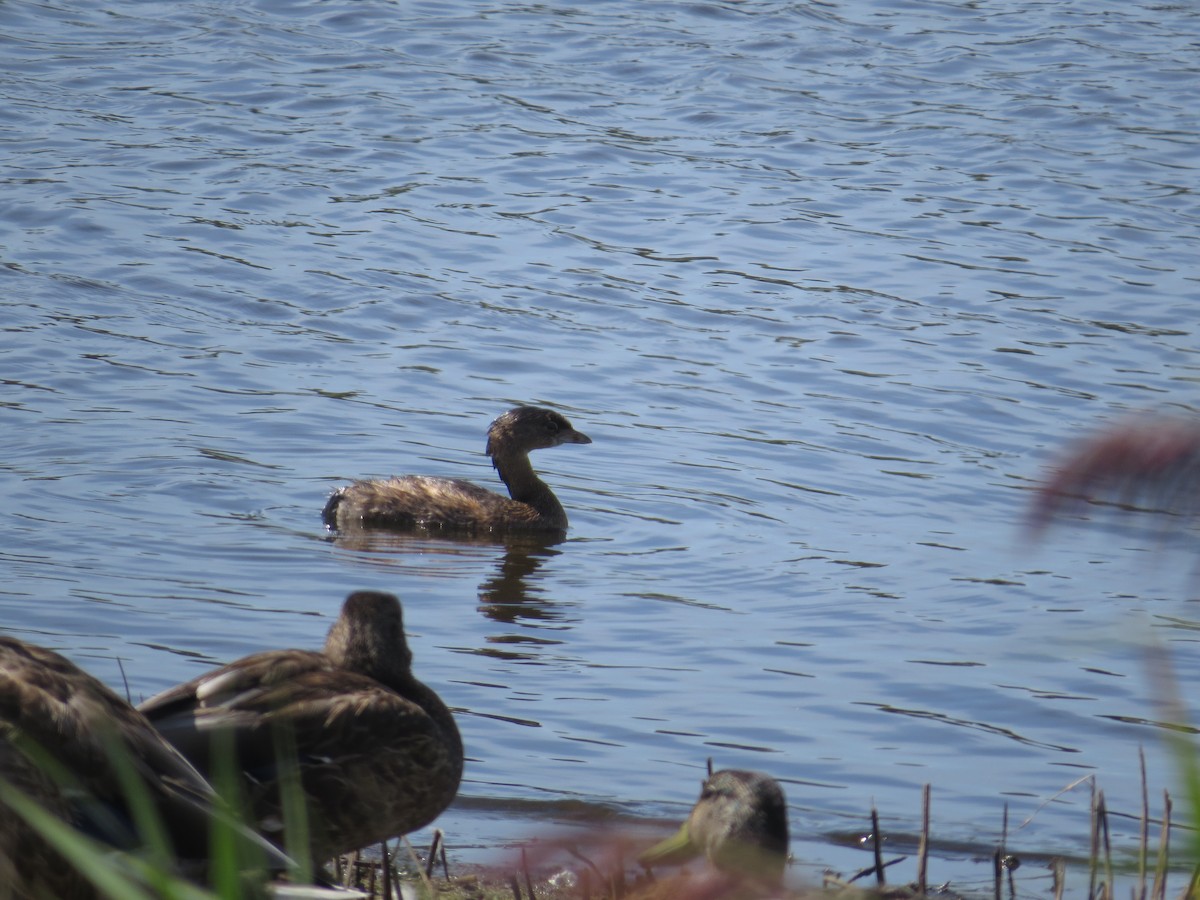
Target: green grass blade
x,y
146,817
1179,738
90,858
224,855
293,804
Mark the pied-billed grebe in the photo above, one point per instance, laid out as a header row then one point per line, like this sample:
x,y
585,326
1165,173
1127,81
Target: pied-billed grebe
x,y
420,501
379,752
739,824
53,715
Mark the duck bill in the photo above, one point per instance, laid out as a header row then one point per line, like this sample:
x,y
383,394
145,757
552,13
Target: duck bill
x,y
674,850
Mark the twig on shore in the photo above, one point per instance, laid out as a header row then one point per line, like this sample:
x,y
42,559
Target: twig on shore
x,y
923,847
525,870
1144,832
1094,849
1059,867
877,845
433,849
412,854
1159,891
387,871
1106,839
998,859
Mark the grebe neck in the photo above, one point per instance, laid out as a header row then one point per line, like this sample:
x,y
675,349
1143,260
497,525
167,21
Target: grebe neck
x,y
524,486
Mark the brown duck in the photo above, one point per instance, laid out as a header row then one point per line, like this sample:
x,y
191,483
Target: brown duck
x,y
739,824
55,716
379,753
424,502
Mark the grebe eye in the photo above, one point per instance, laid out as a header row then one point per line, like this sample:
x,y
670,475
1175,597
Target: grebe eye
x,y
552,427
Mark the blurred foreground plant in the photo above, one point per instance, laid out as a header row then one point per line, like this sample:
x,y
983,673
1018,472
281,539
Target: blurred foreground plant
x,y
1147,459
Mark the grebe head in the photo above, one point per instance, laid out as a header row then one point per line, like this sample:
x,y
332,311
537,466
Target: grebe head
x,y
528,428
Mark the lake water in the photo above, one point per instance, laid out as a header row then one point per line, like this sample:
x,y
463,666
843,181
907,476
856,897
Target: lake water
x,y
828,284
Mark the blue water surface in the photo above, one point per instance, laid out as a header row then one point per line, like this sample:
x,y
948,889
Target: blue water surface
x,y
829,284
